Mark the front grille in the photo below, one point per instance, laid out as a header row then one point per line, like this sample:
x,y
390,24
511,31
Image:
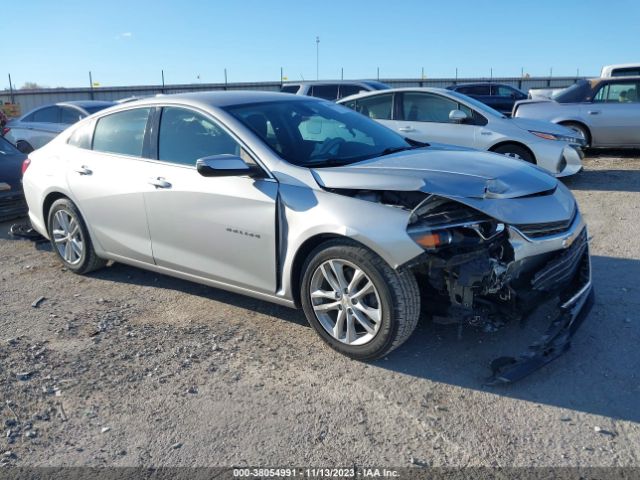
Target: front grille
x,y
561,270
536,230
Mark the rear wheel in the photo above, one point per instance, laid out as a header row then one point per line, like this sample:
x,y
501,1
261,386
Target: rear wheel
x,y
356,302
70,238
515,151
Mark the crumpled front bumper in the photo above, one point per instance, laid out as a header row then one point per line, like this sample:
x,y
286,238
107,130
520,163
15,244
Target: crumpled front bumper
x,y
572,311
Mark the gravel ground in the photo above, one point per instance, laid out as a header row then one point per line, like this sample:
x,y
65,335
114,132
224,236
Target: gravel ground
x,y
125,367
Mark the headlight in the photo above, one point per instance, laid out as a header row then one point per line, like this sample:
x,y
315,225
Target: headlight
x,y
438,222
562,138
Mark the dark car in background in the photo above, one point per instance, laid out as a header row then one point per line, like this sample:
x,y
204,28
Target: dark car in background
x,y
498,96
38,127
12,202
333,89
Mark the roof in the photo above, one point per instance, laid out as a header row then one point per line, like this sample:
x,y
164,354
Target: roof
x,y
333,82
88,103
221,98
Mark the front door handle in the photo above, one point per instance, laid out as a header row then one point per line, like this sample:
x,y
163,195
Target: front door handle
x,y
407,129
84,170
594,112
159,182
486,132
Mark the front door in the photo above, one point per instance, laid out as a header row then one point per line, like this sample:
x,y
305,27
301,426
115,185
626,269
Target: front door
x,y
425,117
219,228
614,115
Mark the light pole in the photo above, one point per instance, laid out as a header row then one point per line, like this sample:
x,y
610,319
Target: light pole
x,y
317,58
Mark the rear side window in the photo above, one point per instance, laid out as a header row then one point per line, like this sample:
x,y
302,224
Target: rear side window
x,y
290,89
474,90
328,92
625,72
378,107
346,90
122,132
185,136
46,115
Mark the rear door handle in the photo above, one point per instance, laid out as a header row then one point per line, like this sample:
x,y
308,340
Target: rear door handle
x,y
159,182
594,112
407,129
84,170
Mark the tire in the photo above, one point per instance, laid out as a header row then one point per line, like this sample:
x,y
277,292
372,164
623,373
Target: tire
x,y
515,151
24,147
581,129
77,252
395,297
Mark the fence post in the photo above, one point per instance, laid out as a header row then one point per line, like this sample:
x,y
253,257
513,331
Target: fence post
x,y
11,90
91,86
162,80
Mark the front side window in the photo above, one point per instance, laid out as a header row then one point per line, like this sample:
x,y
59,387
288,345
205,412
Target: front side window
x,y
69,116
46,115
328,92
624,92
186,136
346,90
378,107
312,134
474,90
426,107
122,132
290,89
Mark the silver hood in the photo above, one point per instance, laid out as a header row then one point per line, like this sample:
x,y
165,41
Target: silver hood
x,y
481,180
543,126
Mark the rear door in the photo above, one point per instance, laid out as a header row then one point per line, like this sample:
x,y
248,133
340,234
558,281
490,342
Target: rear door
x,y
40,127
614,114
218,228
425,117
107,175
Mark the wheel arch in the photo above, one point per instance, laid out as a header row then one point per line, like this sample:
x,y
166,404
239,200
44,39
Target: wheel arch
x,y
580,123
48,202
514,142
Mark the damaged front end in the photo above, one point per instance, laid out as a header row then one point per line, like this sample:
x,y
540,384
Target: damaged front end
x,y
481,272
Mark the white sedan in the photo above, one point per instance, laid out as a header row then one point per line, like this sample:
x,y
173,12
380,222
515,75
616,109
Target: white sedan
x,y
443,116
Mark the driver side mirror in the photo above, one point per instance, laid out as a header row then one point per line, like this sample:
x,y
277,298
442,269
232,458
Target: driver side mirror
x,y
457,116
224,165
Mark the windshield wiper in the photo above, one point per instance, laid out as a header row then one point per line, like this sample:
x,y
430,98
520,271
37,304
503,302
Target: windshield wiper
x,y
390,150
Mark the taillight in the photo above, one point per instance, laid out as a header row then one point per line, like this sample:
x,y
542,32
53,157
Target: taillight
x,y
5,130
25,165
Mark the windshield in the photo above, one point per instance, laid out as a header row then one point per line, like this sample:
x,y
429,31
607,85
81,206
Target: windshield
x,y
578,92
475,103
314,133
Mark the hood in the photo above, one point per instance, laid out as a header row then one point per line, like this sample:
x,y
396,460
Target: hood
x,y
543,126
509,190
441,171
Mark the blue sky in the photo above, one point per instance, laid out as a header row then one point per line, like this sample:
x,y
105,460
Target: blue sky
x,y
56,43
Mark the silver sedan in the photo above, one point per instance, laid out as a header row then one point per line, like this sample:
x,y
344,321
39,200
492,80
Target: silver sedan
x,y
605,111
309,204
444,116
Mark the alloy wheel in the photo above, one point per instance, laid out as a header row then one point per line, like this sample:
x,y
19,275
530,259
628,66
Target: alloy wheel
x,y
67,236
346,302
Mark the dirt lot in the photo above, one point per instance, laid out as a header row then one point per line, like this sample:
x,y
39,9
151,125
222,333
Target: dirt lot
x,y
125,367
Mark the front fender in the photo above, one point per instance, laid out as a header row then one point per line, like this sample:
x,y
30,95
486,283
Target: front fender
x,y
306,213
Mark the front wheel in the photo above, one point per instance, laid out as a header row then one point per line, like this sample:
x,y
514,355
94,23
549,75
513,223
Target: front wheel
x,y
515,151
70,238
356,302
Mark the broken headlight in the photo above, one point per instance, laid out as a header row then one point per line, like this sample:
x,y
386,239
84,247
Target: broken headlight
x,y
438,222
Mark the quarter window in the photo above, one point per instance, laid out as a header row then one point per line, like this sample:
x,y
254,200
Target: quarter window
x,y
185,136
81,137
426,107
122,132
